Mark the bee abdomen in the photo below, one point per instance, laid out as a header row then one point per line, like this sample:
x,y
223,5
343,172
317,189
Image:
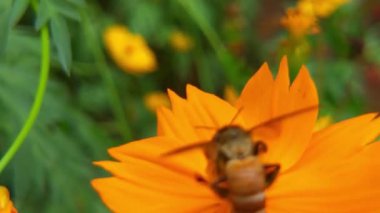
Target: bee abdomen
x,y
246,184
248,203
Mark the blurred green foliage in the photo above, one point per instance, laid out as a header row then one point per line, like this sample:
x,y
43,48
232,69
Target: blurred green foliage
x,y
91,105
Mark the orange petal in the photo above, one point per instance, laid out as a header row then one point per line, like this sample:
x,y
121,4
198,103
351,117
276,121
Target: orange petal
x,y
182,108
121,195
340,141
281,90
263,99
345,185
256,97
152,149
175,126
148,174
212,111
296,131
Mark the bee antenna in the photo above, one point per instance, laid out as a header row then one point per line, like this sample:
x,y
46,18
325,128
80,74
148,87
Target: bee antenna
x,y
282,117
236,115
215,128
187,148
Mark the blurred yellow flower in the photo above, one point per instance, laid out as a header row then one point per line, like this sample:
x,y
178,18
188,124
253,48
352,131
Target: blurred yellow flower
x,y
306,7
323,122
230,94
299,23
180,41
320,8
155,100
129,51
6,205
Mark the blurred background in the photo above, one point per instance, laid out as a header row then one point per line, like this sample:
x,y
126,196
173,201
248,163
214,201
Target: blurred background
x,y
112,61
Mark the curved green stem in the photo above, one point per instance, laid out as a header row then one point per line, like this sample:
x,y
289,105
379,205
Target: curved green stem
x,y
45,64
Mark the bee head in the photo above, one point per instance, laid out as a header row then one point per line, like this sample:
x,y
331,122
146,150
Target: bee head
x,y
233,142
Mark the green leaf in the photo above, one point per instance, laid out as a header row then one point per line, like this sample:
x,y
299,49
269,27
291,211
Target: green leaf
x,y
145,19
4,29
372,46
66,10
44,14
61,40
18,9
5,5
80,3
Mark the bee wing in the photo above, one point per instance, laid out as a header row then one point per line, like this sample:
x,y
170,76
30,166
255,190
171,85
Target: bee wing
x,y
282,117
271,172
271,128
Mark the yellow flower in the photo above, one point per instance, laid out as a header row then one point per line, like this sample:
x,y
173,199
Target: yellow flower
x,y
320,8
6,205
230,94
331,170
299,23
180,41
306,7
129,51
155,100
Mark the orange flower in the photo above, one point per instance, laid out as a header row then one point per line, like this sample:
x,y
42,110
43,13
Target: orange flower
x,y
6,205
331,170
130,51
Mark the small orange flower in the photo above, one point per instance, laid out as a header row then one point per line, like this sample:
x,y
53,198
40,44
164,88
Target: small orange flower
x,y
6,205
331,170
130,51
155,100
180,41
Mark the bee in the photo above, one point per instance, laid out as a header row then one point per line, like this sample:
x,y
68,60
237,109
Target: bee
x,y
239,174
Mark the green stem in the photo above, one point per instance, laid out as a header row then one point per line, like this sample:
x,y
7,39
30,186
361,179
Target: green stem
x,y
106,74
210,34
229,64
116,103
44,74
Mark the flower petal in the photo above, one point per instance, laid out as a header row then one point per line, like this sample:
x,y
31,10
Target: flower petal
x,y
212,111
123,196
216,111
175,126
345,185
152,149
182,108
263,99
295,131
341,140
256,97
195,119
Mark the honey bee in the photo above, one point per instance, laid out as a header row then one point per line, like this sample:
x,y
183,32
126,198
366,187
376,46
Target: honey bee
x,y
239,174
